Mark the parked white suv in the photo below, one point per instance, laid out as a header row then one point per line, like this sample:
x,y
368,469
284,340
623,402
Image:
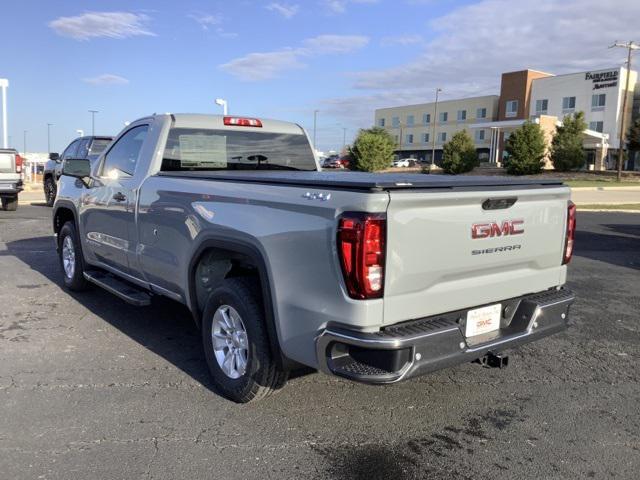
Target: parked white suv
x,y
10,178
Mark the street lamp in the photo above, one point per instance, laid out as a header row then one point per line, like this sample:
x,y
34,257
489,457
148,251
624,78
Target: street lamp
x,y
80,133
223,103
93,121
24,145
49,137
4,83
315,124
433,133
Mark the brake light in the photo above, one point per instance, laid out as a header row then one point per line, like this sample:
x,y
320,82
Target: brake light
x,y
570,234
242,122
19,162
361,248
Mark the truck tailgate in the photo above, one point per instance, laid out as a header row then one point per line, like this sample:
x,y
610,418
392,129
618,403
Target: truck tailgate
x,y
434,265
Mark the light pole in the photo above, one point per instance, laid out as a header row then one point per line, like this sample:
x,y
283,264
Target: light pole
x,y
315,123
344,139
24,144
80,132
433,131
93,121
223,103
49,137
630,46
4,83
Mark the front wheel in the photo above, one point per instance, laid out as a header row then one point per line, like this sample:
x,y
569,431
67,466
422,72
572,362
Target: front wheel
x,y
50,191
71,258
236,345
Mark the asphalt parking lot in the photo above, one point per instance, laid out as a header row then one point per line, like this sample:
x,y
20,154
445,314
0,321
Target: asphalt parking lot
x,y
93,388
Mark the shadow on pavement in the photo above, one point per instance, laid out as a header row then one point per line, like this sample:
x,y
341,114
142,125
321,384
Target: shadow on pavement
x,y
621,248
165,327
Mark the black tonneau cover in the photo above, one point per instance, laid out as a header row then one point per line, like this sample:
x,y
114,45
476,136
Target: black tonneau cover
x,y
365,181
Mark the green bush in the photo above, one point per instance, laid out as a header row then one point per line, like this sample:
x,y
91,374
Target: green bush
x,y
566,148
459,154
372,150
525,150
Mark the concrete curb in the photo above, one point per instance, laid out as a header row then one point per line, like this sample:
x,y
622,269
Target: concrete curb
x,y
609,189
608,210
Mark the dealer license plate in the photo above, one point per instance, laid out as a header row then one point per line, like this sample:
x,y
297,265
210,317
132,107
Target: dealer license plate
x,y
483,320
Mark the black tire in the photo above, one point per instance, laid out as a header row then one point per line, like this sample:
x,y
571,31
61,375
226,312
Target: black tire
x,y
50,191
262,375
76,281
10,204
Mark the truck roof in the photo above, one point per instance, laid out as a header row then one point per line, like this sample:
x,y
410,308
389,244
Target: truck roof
x,y
367,181
214,122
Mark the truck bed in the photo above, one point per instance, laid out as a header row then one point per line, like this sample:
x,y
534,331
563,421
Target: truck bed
x,y
367,181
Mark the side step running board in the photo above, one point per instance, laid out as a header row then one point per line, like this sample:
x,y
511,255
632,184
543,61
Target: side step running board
x,y
119,288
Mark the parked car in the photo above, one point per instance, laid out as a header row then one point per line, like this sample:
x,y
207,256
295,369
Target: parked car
x,y
11,177
338,162
282,265
89,147
404,162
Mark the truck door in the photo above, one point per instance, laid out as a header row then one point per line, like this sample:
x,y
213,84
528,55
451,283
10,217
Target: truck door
x,y
108,208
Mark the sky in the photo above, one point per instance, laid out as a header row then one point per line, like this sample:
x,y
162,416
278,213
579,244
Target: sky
x,y
282,59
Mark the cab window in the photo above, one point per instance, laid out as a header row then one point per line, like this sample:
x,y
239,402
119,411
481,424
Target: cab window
x,y
71,150
123,156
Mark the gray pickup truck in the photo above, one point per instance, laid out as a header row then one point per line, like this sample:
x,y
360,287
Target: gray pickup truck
x,y
371,277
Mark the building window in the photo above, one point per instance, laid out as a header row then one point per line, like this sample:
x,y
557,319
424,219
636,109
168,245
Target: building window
x,y
542,106
410,138
596,126
425,138
462,115
410,120
480,136
598,101
381,122
395,122
442,137
444,117
481,113
426,118
568,104
512,108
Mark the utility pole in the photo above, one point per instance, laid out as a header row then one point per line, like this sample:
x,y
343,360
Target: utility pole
x,y
630,46
433,130
93,121
49,137
4,84
315,124
344,139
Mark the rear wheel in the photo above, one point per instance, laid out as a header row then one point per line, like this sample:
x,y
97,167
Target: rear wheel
x,y
236,344
50,191
71,258
10,203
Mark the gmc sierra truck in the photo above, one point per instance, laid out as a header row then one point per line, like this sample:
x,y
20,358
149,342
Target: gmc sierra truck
x,y
371,277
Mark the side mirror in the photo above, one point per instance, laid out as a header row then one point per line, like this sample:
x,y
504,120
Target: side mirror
x,y
54,156
77,167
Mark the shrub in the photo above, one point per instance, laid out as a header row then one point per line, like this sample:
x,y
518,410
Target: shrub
x,y
525,150
566,148
459,154
372,150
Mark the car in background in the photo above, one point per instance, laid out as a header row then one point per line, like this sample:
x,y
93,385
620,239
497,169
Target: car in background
x,y
401,162
89,147
11,176
337,162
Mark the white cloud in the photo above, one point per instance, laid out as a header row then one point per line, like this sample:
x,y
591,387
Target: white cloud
x,y
324,44
101,24
287,11
340,6
262,66
401,40
267,65
206,20
106,79
474,44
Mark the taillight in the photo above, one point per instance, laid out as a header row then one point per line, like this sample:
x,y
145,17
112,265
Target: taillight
x,y
242,122
570,234
18,163
361,248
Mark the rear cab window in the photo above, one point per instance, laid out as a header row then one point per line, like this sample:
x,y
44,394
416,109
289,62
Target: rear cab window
x,y
199,149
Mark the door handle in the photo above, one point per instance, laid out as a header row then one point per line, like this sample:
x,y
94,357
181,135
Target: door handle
x,y
119,197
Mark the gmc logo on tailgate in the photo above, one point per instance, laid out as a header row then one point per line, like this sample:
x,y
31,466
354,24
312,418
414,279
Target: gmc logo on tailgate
x,y
494,229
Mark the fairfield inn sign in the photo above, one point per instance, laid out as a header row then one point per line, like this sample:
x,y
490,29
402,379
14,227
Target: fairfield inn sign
x,y
602,79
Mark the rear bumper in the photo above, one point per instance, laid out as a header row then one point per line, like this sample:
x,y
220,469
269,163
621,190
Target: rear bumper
x,y
10,187
421,346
